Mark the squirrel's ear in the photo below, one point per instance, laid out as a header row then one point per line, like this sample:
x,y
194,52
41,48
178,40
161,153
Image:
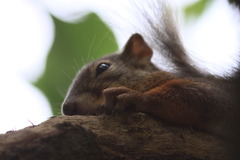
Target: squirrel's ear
x,y
137,47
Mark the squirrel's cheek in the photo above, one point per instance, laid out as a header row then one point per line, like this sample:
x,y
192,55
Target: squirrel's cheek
x,y
85,104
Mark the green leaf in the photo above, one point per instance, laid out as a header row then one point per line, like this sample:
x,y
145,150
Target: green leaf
x,y
75,44
196,9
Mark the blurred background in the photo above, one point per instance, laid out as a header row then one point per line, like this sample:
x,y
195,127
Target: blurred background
x,y
43,43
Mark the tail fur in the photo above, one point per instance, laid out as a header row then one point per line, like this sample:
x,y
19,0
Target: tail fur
x,y
164,36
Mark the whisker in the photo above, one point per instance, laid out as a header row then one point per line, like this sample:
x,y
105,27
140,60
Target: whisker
x,y
75,61
67,75
91,46
100,42
61,92
75,70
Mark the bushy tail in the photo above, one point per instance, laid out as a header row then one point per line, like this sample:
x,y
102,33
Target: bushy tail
x,y
163,34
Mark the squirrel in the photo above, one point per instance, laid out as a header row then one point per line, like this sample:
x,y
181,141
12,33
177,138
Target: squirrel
x,y
128,80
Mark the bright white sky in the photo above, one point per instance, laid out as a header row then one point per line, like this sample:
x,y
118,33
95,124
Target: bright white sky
x,y
27,32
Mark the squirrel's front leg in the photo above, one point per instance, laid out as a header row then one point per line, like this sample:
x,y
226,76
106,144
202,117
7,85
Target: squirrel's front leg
x,y
179,101
118,99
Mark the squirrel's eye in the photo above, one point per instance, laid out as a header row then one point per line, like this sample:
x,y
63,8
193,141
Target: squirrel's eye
x,y
101,68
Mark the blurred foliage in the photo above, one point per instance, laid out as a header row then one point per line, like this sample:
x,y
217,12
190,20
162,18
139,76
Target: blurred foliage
x,y
75,44
195,10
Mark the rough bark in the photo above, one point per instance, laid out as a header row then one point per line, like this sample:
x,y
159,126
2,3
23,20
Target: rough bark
x,y
110,137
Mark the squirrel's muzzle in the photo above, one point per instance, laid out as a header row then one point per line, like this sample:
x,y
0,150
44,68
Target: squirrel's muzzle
x,y
70,108
85,104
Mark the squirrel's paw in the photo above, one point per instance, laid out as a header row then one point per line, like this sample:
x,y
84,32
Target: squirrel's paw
x,y
119,99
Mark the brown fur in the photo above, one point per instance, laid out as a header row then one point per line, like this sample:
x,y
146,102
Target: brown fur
x,y
130,80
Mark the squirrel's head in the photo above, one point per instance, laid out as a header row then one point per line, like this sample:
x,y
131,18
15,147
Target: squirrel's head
x,y
128,68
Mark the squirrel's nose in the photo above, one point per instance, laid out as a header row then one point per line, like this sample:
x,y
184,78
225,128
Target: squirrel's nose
x,y
69,108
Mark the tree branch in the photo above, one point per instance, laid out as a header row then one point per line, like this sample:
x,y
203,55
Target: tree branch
x,y
128,136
